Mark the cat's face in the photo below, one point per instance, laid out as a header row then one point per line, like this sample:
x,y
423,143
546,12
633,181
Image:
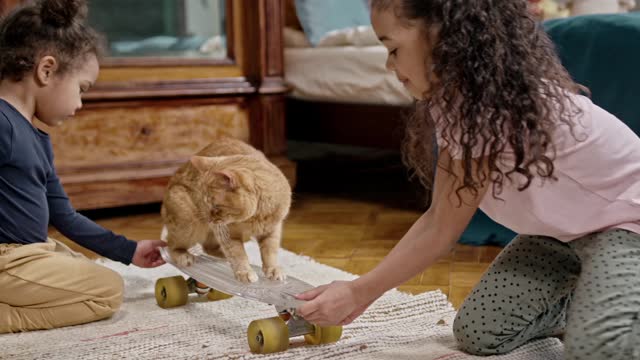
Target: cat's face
x,y
227,191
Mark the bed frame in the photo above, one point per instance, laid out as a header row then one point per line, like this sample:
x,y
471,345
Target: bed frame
x,y
365,125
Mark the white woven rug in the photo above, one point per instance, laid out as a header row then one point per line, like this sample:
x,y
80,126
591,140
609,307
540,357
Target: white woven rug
x,y
398,326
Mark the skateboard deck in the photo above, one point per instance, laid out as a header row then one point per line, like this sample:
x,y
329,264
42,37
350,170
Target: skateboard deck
x,y
217,274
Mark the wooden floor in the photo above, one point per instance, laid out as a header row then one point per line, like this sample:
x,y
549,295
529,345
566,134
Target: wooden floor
x,y
350,222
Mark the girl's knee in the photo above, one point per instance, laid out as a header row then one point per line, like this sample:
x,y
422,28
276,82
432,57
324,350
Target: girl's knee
x,y
480,332
474,337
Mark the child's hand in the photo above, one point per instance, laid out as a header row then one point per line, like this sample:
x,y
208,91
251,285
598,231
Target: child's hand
x,y
147,253
332,304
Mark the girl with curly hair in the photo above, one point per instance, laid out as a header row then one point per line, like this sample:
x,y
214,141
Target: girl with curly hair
x,y
517,138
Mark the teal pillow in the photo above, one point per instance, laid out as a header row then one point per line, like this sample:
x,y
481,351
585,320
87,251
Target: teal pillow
x,y
602,52
484,231
318,17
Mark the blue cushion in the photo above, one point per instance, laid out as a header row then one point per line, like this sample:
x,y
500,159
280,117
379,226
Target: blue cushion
x,y
601,51
318,17
484,231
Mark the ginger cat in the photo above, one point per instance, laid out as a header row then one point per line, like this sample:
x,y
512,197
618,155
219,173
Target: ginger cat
x,y
226,194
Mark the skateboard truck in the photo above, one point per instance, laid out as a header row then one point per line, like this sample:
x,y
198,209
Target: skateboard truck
x,y
202,290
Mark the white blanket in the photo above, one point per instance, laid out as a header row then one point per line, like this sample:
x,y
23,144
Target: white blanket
x,y
347,66
345,74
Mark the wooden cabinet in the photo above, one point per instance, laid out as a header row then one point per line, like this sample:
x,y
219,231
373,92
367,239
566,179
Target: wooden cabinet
x,y
147,115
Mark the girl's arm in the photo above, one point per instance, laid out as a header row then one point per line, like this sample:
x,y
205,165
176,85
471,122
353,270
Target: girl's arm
x,y
431,237
6,139
82,230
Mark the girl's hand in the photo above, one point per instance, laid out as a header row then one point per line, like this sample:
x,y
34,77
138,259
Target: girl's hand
x,y
147,253
332,304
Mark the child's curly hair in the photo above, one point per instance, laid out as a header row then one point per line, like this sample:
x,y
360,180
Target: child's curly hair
x,y
45,27
494,56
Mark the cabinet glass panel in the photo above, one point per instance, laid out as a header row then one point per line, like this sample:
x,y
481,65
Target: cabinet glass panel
x,y
191,29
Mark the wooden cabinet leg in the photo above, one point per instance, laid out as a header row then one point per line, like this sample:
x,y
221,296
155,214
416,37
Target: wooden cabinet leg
x,y
268,131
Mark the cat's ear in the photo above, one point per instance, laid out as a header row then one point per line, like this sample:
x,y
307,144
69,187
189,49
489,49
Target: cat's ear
x,y
229,178
201,163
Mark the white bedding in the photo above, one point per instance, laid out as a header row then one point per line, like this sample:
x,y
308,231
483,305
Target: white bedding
x,y
354,74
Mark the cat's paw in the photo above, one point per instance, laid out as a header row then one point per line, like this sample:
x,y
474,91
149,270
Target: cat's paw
x,y
246,276
182,257
274,273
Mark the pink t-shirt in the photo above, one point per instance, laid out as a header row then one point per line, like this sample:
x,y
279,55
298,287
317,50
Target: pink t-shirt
x,y
597,187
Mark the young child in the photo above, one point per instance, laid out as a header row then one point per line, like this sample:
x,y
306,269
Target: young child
x,y
515,138
48,58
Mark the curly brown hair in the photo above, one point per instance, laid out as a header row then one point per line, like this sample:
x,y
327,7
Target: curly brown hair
x,y
494,56
45,27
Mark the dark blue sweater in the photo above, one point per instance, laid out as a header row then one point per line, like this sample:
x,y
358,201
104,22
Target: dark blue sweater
x,y
31,196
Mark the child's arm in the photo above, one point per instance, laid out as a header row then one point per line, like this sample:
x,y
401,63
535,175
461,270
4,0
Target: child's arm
x,y
82,230
431,236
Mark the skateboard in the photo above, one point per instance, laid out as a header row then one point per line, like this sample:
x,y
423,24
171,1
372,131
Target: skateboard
x,y
212,277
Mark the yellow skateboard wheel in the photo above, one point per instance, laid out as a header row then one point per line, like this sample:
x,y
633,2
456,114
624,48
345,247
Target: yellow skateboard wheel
x,y
171,292
268,336
324,335
215,295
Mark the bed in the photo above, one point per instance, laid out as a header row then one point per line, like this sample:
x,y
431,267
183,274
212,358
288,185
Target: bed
x,y
341,90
